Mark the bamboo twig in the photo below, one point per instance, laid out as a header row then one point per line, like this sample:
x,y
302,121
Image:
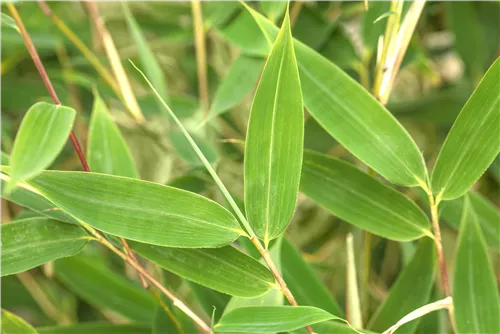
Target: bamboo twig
x,y
201,54
128,256
116,65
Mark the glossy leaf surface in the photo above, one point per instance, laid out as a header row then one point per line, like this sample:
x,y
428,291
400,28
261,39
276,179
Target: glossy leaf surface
x,y
43,132
31,242
107,150
105,289
274,143
353,117
223,269
270,319
473,142
360,199
411,290
475,292
139,210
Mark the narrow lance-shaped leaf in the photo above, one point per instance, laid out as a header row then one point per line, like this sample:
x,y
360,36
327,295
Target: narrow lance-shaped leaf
x,y
360,199
12,324
34,201
139,210
31,242
238,82
353,117
303,282
411,290
223,269
148,60
473,141
105,289
486,212
107,150
274,144
41,136
271,319
475,292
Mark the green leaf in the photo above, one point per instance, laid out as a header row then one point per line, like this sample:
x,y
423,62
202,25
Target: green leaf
x,y
473,141
139,210
475,292
107,150
273,297
148,60
172,322
411,290
37,203
238,82
105,289
307,289
273,9
43,132
185,151
210,299
271,319
353,117
96,328
360,199
274,143
223,269
12,324
8,21
31,242
486,212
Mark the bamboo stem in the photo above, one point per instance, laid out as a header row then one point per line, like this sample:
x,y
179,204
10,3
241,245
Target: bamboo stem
x,y
116,65
433,203
91,57
201,54
176,301
128,256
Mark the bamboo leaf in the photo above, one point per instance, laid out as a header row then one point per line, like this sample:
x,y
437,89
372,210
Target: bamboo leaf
x,y
210,299
274,143
414,283
9,22
303,282
148,60
31,242
353,117
41,136
475,293
223,269
105,289
360,199
12,324
486,212
139,210
107,150
473,141
238,82
96,328
271,319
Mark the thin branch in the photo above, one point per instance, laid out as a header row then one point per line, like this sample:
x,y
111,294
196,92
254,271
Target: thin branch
x,y
201,54
114,59
439,247
420,312
249,231
176,301
128,256
45,78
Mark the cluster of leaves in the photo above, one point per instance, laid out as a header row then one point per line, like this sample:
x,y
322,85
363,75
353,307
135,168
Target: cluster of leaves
x,y
167,180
